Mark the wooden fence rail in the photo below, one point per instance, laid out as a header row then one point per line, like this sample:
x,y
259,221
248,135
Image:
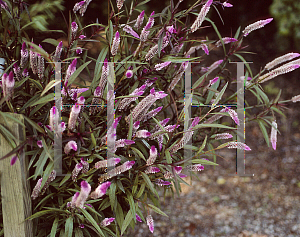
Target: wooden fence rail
x,y
15,189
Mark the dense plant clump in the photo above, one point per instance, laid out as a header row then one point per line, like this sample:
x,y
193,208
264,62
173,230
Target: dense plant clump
x,y
113,172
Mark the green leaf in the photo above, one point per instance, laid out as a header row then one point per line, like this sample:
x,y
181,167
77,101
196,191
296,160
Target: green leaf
x,y
264,131
203,162
160,41
126,222
141,191
39,214
220,94
213,125
157,210
278,96
149,183
77,72
119,215
263,95
43,100
168,157
69,227
51,41
78,233
33,124
202,146
112,195
49,86
247,65
92,221
130,128
218,33
140,154
54,227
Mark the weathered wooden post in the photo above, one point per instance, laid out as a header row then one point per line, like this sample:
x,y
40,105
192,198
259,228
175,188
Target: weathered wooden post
x,y
15,189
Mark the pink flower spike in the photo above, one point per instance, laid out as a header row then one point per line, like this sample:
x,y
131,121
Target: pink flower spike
x,y
166,183
178,169
150,223
70,145
225,4
107,221
81,226
273,137
213,81
100,190
82,37
13,160
138,218
39,143
84,193
143,134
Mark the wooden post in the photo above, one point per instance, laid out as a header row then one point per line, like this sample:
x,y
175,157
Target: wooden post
x,y
15,189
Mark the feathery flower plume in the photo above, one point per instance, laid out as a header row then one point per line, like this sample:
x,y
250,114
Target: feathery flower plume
x,y
151,170
85,165
273,137
152,156
205,48
162,123
226,4
13,160
41,66
182,175
223,136
9,86
197,167
234,116
161,65
150,223
150,22
138,218
73,201
139,20
141,109
83,195
178,74
76,171
226,40
216,116
71,69
33,61
238,145
100,190
25,73
58,51
177,169
214,66
70,145
186,137
129,30
126,101
152,113
142,134
116,43
73,116
107,221
51,177
213,81
296,98
200,18
281,59
255,26
122,143
17,71
81,6
103,163
96,99
24,55
120,4
36,189
278,71
129,73
168,175
154,50
74,28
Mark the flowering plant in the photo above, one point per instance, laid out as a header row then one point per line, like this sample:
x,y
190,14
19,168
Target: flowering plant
x,y
113,168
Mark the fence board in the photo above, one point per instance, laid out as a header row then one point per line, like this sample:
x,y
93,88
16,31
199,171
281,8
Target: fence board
x,y
15,189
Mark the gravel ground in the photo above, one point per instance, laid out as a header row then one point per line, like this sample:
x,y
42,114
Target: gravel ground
x,y
223,205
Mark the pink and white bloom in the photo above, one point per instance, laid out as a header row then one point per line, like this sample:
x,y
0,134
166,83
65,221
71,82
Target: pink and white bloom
x,y
73,201
39,143
139,20
116,43
85,165
223,136
226,4
107,221
213,81
151,170
120,4
71,145
129,30
197,167
73,116
24,55
142,134
152,156
76,171
255,26
33,61
161,182
162,65
74,28
138,218
9,82
238,145
273,137
226,40
58,51
203,12
100,190
83,195
13,160
36,189
150,223
129,73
